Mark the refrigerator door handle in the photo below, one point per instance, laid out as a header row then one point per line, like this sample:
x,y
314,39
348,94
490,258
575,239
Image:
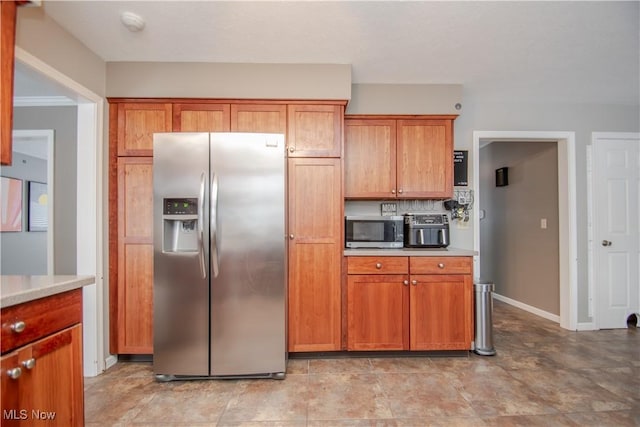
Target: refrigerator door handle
x,y
203,269
214,225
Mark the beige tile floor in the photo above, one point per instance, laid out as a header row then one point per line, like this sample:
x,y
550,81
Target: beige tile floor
x,y
542,375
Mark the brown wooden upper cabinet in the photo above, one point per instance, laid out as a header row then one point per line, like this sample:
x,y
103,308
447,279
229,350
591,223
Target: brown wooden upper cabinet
x,y
137,122
192,117
7,50
398,157
315,130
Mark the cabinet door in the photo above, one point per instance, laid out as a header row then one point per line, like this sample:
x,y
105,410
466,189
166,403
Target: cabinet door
x,y
370,158
136,125
425,158
7,47
315,130
50,387
201,117
315,254
135,255
377,312
268,118
11,408
440,312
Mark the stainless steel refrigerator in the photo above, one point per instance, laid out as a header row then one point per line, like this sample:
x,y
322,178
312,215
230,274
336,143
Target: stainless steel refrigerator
x,y
219,255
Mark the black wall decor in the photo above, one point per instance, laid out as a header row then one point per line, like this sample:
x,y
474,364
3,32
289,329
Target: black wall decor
x,y
460,169
502,177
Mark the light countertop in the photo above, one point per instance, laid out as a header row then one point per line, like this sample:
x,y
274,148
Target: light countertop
x,y
410,252
19,289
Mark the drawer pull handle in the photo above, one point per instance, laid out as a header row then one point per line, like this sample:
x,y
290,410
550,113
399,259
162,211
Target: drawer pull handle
x,y
378,265
29,363
14,373
441,265
414,282
18,327
406,283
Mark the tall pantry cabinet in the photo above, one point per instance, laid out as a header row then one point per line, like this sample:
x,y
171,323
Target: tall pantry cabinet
x,y
313,134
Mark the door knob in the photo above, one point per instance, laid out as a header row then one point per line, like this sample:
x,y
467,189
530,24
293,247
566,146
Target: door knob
x,y
606,243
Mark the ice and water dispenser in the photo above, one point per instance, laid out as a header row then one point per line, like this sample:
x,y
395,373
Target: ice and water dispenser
x,y
180,222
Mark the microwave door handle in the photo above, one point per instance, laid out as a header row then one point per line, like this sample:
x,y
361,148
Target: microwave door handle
x,y
203,269
214,226
443,237
421,235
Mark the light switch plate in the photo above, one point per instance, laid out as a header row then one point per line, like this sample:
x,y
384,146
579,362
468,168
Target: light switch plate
x,y
388,209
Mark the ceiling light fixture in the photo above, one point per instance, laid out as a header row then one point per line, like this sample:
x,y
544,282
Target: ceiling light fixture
x,y
132,21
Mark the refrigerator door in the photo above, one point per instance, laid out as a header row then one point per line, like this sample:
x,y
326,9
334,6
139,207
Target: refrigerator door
x,y
181,254
248,247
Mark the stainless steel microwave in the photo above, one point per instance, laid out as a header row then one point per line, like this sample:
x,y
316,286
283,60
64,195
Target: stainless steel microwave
x,y
364,231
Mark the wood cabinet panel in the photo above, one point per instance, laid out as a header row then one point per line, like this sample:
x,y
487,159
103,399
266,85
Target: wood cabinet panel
x,y
315,254
378,265
370,158
441,265
7,49
41,317
440,312
398,157
135,290
267,118
47,385
136,125
425,158
201,117
377,312
315,130
135,255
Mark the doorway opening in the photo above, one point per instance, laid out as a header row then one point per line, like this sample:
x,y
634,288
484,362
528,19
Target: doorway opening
x,y
566,210
89,225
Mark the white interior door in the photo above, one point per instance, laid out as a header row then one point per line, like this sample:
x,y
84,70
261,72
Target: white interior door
x,y
616,201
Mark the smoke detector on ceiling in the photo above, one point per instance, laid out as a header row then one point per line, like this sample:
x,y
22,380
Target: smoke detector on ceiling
x,y
132,21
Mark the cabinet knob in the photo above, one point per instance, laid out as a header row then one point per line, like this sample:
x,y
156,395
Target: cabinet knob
x,y
400,191
378,265
29,363
292,149
606,243
393,191
14,373
406,283
18,326
441,265
414,282
291,237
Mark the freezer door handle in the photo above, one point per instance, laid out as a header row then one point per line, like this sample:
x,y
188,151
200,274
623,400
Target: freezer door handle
x,y
203,269
214,225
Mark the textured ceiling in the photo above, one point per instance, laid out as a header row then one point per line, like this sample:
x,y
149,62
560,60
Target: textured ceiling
x,y
585,52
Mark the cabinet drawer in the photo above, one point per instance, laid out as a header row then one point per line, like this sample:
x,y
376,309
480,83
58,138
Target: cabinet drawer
x,y
41,317
377,265
441,265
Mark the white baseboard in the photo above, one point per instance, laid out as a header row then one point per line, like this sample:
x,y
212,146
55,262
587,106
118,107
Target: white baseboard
x,y
586,326
545,314
110,361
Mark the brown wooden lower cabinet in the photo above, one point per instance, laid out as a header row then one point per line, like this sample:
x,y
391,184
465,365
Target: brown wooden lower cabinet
x,y
409,311
42,381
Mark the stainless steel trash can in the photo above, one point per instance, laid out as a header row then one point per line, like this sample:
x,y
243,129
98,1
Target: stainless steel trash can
x,y
484,318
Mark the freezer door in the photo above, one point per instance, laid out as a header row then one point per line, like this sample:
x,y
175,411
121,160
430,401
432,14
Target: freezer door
x,y
181,254
248,254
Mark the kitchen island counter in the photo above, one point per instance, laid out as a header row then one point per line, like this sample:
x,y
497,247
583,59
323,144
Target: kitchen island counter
x,y
411,252
16,290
